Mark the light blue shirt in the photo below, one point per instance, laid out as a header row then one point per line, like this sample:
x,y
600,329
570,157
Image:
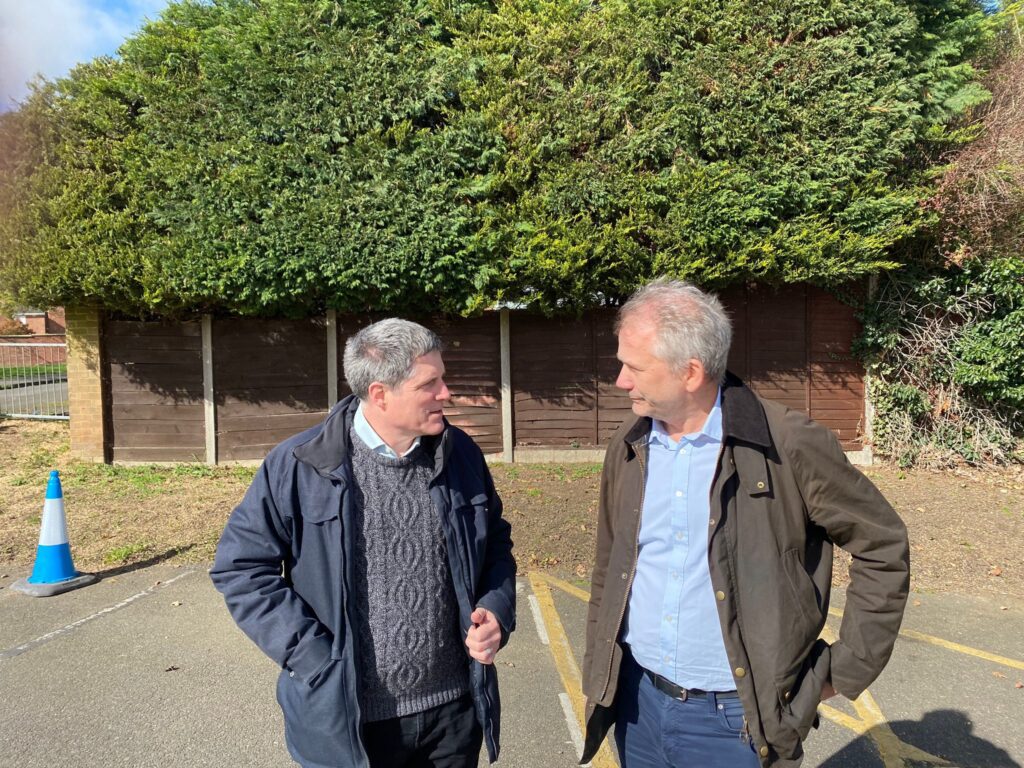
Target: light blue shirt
x,y
368,435
672,625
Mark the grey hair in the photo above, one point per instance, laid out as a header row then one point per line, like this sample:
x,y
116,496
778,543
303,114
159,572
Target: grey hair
x,y
689,324
385,352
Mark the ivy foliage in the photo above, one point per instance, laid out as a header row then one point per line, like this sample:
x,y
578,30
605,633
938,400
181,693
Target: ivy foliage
x,y
948,370
282,156
946,335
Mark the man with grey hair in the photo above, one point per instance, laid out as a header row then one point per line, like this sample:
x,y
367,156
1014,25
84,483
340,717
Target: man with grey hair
x,y
370,560
718,515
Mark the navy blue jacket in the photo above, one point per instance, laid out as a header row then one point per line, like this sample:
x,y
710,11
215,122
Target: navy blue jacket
x,y
284,566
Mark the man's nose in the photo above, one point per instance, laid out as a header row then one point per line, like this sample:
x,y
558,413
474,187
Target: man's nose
x,y
444,393
624,381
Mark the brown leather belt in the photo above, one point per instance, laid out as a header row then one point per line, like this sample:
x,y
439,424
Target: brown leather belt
x,y
669,688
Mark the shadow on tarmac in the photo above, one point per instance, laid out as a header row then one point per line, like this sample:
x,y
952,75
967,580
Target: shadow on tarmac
x,y
141,564
945,733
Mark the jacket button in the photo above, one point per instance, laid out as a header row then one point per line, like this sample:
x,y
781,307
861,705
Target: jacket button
x,y
720,595
740,672
760,484
763,751
625,575
291,673
711,521
785,695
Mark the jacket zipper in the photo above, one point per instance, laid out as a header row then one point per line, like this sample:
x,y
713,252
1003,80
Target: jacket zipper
x,y
632,572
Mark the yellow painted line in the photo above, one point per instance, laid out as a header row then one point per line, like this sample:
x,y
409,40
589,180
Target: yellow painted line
x,y
568,588
950,646
962,649
565,662
841,718
872,722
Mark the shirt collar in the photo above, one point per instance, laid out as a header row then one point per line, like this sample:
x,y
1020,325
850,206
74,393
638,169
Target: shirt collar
x,y
710,432
373,441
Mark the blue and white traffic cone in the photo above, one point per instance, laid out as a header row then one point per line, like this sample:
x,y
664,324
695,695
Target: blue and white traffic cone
x,y
53,572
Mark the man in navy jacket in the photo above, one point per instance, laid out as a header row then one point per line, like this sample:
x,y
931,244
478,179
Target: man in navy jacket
x,y
369,559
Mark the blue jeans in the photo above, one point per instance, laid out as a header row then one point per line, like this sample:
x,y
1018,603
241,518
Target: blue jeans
x,y
653,730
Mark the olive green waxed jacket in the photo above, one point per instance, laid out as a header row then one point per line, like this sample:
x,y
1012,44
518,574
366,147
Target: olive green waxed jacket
x,y
783,494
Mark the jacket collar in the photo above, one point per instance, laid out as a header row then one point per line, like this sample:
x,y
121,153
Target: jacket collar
x,y
743,418
329,449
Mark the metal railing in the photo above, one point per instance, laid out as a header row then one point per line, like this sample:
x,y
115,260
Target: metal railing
x,y
33,380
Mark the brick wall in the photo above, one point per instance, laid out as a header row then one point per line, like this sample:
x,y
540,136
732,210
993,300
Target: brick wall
x,y
85,384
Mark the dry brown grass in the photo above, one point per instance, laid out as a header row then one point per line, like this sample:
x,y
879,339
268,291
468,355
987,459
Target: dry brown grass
x,y
966,527
115,515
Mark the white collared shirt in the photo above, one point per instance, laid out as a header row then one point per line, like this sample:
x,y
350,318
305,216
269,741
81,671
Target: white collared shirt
x,y
373,441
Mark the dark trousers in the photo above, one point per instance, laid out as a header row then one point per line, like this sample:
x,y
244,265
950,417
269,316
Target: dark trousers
x,y
653,730
447,736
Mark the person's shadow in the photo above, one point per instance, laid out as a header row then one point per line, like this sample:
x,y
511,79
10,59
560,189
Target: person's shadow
x,y
944,733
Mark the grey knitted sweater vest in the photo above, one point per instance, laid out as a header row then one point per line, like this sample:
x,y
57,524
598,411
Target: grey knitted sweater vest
x,y
411,656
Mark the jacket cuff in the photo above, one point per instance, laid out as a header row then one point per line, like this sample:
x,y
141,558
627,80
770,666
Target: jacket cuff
x,y
503,610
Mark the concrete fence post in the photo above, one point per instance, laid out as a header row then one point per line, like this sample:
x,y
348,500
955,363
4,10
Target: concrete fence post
x,y
209,401
332,358
507,438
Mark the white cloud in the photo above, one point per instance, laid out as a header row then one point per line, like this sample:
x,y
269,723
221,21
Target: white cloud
x,y
49,37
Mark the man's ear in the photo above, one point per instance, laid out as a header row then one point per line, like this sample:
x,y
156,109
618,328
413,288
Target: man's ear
x,y
377,396
694,375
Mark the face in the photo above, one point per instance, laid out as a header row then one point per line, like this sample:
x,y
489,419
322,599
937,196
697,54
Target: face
x,y
654,389
414,407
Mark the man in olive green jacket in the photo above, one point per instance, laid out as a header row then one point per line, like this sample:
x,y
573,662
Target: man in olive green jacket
x,y
781,494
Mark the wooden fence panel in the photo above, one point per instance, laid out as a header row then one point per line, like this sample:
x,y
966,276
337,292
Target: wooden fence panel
x,y
155,391
836,377
792,344
472,359
270,382
553,381
613,405
776,343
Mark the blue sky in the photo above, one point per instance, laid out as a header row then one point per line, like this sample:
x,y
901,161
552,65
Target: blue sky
x,y
49,37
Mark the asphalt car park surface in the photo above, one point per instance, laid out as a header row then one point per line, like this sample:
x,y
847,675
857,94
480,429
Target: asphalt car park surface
x,y
147,669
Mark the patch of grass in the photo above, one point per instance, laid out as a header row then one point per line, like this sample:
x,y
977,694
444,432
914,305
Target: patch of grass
x,y
193,470
40,458
246,474
510,471
583,471
30,371
120,555
555,470
143,481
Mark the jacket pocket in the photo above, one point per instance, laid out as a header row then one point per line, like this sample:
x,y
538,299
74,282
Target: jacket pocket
x,y
319,723
800,705
320,514
802,589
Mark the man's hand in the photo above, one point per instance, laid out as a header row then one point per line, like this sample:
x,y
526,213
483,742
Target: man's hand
x,y
827,692
484,636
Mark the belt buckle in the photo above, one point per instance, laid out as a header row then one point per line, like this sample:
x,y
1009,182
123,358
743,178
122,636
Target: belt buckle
x,y
682,695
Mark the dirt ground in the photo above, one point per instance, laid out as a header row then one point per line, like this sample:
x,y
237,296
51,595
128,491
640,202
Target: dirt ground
x,y
966,526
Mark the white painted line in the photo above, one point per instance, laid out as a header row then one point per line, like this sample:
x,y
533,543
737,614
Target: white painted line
x,y
42,640
574,727
538,620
